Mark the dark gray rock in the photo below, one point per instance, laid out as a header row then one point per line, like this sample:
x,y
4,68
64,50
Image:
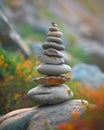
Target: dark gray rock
x,y
89,75
36,118
54,39
50,94
52,52
54,29
48,45
48,69
50,60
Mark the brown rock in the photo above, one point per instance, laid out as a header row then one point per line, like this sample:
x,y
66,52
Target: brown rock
x,y
53,29
53,80
51,60
54,24
55,34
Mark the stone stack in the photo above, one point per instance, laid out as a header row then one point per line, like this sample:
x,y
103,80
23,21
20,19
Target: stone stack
x,y
52,89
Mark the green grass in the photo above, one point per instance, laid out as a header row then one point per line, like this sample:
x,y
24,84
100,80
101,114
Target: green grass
x,y
32,34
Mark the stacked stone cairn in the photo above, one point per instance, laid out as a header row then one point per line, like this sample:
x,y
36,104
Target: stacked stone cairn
x,y
52,89
52,96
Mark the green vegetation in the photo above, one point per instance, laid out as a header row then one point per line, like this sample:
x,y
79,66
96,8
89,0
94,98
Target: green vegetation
x,y
16,75
31,34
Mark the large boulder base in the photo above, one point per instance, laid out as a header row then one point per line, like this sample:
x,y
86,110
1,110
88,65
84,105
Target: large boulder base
x,y
35,118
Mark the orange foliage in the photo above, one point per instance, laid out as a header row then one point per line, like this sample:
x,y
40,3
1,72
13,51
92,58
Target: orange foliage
x,y
94,117
76,114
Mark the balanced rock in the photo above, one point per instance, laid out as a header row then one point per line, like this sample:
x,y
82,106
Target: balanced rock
x,y
48,69
51,59
53,80
53,52
53,29
54,39
48,45
50,95
55,34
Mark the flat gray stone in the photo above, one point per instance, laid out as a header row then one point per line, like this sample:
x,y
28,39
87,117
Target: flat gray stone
x,y
53,29
54,39
48,69
56,46
53,52
55,34
36,117
51,60
50,95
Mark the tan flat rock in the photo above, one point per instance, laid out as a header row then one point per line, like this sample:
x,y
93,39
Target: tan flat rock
x,y
52,80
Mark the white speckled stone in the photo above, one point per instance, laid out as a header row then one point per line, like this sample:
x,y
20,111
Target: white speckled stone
x,y
50,95
48,69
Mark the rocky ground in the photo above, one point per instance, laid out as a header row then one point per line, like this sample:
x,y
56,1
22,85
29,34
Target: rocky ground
x,y
43,117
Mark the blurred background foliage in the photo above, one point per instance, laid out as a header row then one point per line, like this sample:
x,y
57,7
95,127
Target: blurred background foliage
x,y
81,22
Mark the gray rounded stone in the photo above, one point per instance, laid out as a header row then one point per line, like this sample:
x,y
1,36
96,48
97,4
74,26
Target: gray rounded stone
x,y
53,52
88,75
48,45
35,118
54,39
54,29
55,34
50,94
50,60
48,69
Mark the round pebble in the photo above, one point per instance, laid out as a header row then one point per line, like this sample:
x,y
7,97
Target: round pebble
x,y
54,24
51,60
53,45
48,69
53,52
53,29
50,95
55,34
52,80
54,39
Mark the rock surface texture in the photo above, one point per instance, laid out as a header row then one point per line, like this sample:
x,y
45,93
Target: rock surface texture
x,y
35,118
52,95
